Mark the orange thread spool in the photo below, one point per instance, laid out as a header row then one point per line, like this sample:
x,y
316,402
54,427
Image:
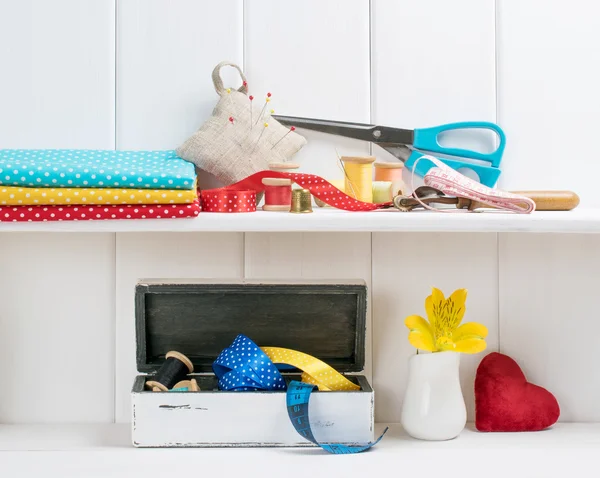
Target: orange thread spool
x,y
278,194
391,172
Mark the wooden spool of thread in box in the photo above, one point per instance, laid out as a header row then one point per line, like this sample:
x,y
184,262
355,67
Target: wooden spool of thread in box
x,y
391,172
359,177
174,370
186,386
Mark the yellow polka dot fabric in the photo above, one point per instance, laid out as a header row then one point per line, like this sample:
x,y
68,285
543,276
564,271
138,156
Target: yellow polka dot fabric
x,y
314,370
16,196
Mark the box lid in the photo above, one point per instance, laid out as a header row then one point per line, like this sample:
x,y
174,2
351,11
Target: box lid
x,y
325,319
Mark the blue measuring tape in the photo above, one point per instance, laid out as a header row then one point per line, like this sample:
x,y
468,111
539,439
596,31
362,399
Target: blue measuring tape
x,y
297,398
244,367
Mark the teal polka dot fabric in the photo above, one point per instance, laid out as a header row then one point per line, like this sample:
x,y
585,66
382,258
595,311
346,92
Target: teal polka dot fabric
x,y
95,169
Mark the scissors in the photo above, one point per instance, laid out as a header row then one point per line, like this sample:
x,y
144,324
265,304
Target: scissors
x,y
408,145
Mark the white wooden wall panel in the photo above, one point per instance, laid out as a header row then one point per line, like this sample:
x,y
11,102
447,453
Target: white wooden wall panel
x,y
432,63
548,320
548,96
57,82
57,91
405,268
313,256
163,256
166,52
57,328
313,56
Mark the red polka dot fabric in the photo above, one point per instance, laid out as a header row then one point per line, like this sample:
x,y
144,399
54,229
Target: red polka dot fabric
x,y
228,200
98,213
318,187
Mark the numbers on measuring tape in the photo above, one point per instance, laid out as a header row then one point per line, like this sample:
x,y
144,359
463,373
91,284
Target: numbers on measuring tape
x,y
297,398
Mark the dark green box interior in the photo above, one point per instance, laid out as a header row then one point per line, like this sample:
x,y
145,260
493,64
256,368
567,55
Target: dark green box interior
x,y
199,319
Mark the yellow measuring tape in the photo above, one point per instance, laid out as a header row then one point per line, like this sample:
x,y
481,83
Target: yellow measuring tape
x,y
314,370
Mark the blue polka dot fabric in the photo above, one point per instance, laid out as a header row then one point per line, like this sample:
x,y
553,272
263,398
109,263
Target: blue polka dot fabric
x,y
95,169
244,367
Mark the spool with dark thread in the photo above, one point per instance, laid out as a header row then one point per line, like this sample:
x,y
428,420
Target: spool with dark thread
x,y
278,194
175,369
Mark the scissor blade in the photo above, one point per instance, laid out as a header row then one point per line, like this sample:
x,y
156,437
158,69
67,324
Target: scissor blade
x,y
364,132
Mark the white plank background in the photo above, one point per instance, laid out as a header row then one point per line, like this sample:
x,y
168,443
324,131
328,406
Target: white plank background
x,y
56,328
166,52
57,91
548,96
133,74
448,77
548,318
313,56
58,74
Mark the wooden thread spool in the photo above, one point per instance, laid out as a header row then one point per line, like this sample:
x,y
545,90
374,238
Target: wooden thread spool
x,y
382,192
278,194
391,172
283,167
338,183
359,177
175,369
186,386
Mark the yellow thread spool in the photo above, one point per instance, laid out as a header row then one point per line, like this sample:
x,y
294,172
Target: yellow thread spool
x,y
338,183
359,177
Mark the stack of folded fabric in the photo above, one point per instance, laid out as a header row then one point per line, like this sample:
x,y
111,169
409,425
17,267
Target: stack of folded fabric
x,y
62,185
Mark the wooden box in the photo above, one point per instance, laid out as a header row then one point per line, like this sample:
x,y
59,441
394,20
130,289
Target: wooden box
x,y
325,319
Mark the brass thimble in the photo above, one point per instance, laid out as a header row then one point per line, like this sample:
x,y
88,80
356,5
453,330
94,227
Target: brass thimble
x,y
301,201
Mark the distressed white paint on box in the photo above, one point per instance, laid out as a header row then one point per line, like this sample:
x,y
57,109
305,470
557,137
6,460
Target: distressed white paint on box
x,y
213,418
56,324
313,56
57,84
548,96
405,268
548,316
313,256
183,255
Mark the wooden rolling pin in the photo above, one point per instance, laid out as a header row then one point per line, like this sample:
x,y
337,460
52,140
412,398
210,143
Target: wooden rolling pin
x,y
544,200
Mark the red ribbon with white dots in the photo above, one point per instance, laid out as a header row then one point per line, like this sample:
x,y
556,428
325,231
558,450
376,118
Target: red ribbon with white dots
x,y
228,200
239,193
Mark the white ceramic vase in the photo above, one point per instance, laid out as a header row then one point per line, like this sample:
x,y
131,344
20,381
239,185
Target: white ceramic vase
x,y
434,406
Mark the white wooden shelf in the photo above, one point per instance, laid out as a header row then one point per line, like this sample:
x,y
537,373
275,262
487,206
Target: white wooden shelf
x,y
105,450
331,220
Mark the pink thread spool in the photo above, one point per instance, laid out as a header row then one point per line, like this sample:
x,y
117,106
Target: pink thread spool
x,y
278,194
391,172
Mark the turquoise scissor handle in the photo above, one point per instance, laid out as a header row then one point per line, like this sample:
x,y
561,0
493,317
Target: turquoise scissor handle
x,y
427,140
488,175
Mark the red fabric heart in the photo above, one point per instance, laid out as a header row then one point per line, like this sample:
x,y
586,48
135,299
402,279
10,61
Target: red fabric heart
x,y
506,402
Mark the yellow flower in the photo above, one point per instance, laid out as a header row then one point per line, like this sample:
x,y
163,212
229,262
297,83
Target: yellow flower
x,y
443,332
